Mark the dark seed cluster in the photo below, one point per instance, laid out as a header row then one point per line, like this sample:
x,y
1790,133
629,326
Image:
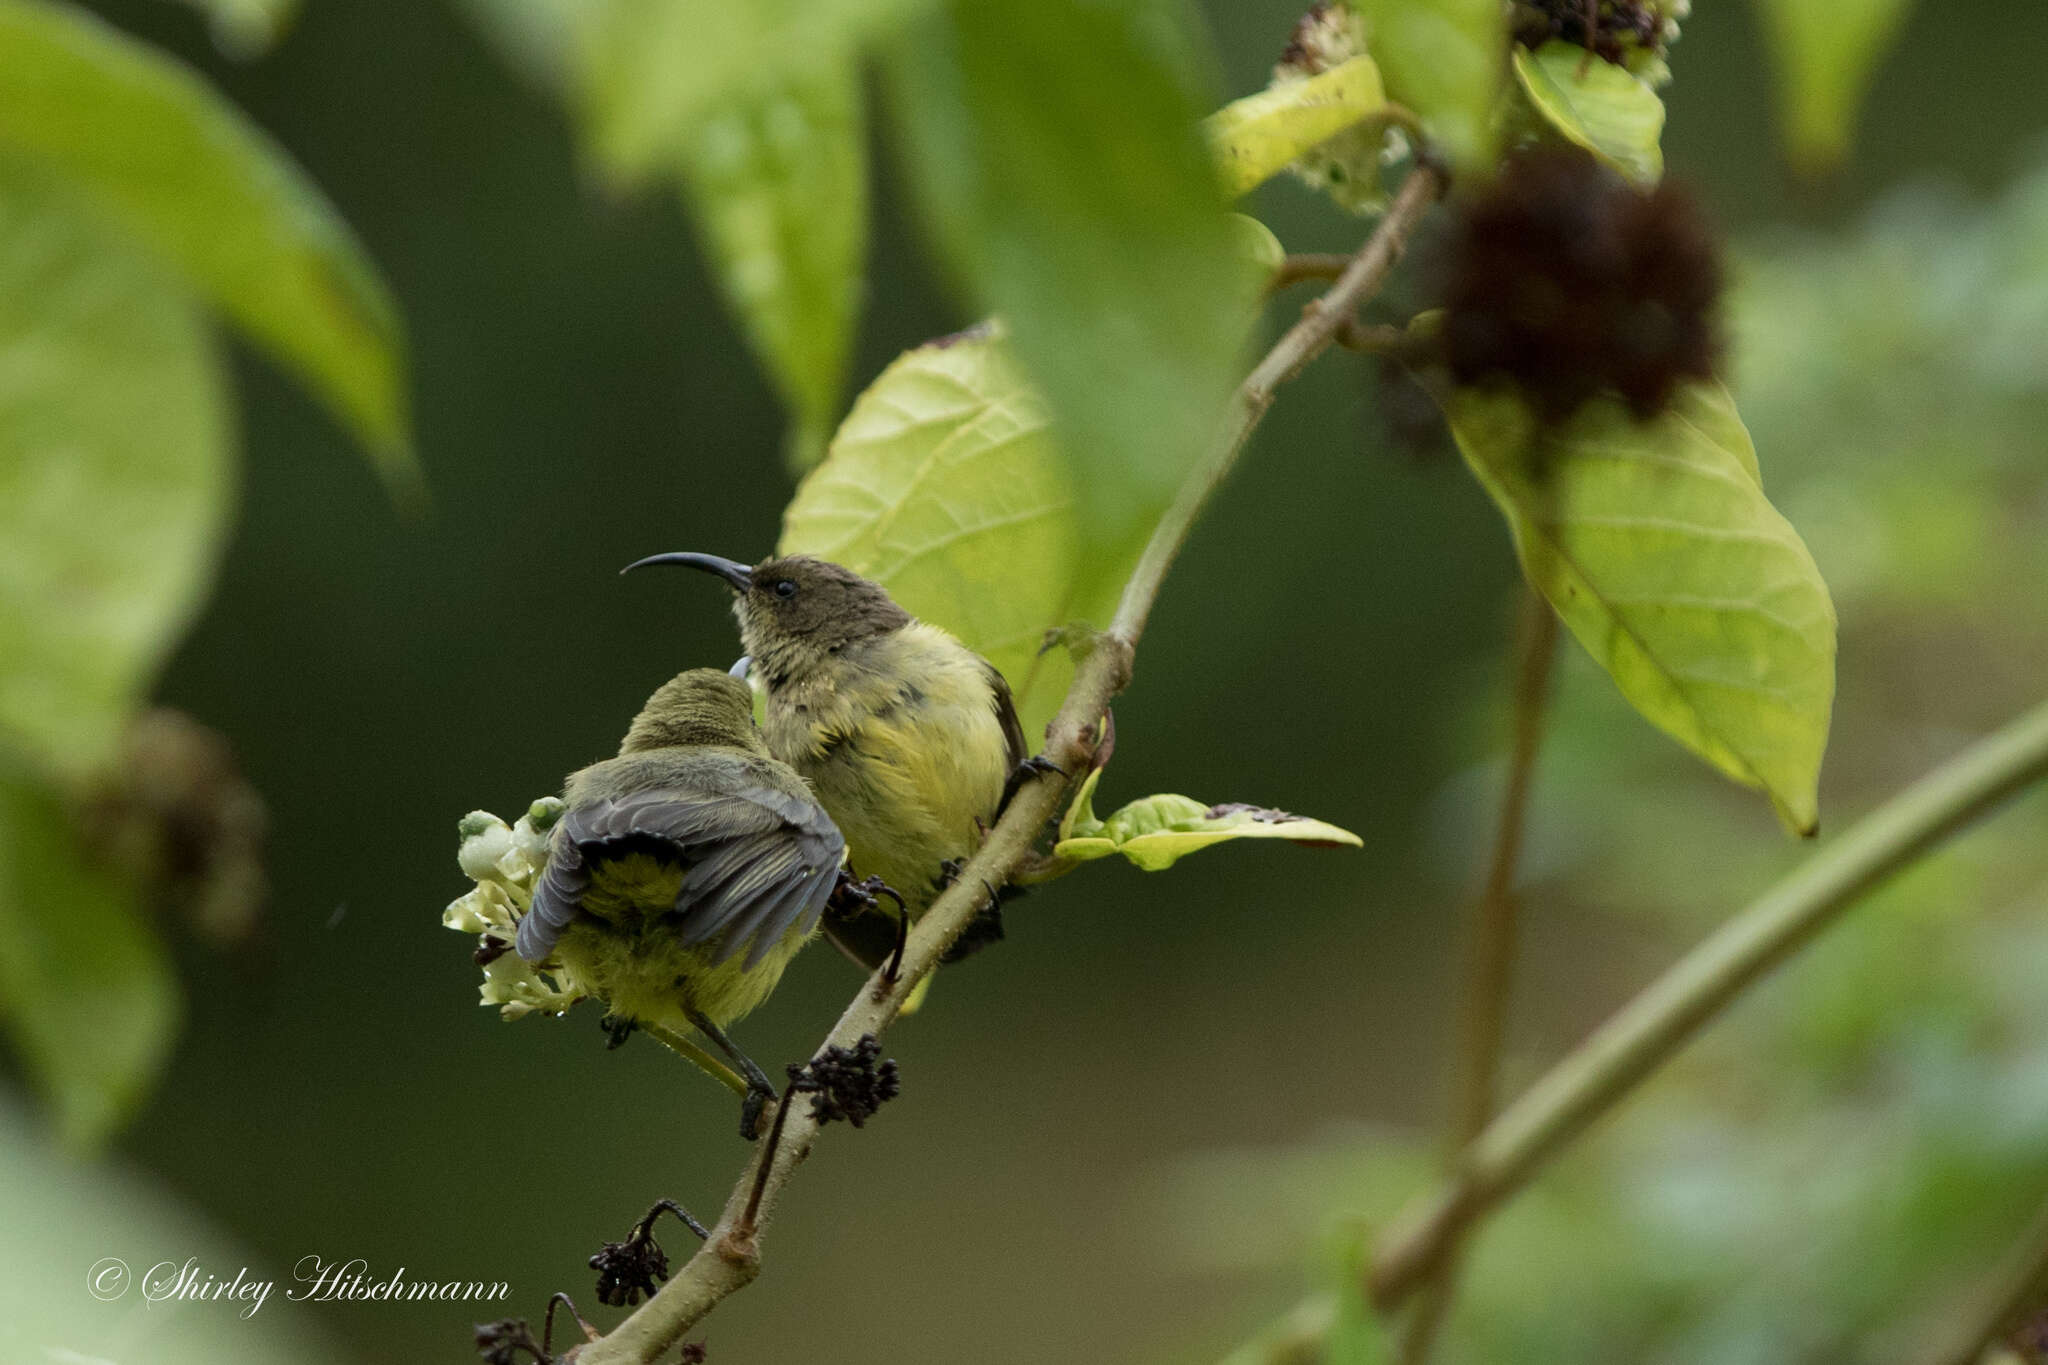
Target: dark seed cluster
x,y
848,1083
631,1270
1612,30
694,1353
1566,281
500,1342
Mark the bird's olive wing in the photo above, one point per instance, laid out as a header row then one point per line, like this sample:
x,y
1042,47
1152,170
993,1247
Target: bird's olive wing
x,y
1006,715
759,862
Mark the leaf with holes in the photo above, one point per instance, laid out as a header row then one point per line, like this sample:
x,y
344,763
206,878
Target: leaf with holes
x,y
1658,548
1158,831
1255,138
1595,105
944,485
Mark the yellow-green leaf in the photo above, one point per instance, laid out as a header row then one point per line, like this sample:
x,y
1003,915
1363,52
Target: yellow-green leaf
x,y
1658,548
150,145
777,180
1257,245
85,988
944,485
1596,105
1256,137
1445,60
246,28
1158,831
116,454
1825,53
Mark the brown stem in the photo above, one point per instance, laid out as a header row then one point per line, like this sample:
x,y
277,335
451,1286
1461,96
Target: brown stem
x,y
1490,956
730,1259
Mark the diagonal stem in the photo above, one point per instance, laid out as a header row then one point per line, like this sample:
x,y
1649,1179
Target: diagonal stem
x,y
1629,1047
731,1258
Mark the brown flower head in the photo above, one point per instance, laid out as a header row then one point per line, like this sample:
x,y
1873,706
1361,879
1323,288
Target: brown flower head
x,y
1566,281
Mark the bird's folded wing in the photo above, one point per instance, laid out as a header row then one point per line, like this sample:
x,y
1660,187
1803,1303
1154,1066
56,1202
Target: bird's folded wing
x,y
760,862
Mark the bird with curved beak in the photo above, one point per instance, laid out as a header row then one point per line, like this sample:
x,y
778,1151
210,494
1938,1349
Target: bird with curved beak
x,y
909,738
685,873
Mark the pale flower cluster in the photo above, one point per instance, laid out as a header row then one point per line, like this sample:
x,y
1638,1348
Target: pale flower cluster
x,y
504,861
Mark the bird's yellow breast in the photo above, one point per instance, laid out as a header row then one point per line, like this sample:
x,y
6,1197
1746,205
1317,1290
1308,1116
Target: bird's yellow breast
x,y
903,746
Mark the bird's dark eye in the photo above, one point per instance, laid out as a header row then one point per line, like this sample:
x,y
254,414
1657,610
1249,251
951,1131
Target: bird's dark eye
x,y
784,588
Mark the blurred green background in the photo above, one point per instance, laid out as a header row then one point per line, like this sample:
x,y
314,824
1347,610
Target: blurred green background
x,y
1127,1132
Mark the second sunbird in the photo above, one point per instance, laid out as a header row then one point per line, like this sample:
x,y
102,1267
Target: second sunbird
x,y
685,873
909,737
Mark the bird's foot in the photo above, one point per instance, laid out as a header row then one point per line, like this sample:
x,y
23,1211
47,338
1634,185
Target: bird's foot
x,y
1030,770
750,1111
853,896
617,1029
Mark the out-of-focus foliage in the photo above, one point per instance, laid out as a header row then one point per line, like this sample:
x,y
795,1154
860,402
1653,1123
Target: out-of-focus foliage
x,y
1597,105
1830,1172
131,194
186,176
115,460
85,988
246,28
1445,60
945,486
1056,153
62,1233
1826,52
1657,546
1155,832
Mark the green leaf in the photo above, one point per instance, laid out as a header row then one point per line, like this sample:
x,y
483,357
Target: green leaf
x,y
115,474
1056,150
1825,53
1257,245
145,141
538,38
1596,105
246,28
778,181
1158,831
1444,60
1255,138
649,69
1658,548
85,987
945,486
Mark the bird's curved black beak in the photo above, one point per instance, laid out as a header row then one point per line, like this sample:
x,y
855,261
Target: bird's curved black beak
x,y
739,575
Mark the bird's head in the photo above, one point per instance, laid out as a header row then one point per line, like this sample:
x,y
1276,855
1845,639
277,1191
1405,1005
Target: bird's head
x,y
795,611
702,706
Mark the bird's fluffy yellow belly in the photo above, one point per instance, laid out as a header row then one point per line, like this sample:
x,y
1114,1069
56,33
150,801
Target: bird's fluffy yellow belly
x,y
627,947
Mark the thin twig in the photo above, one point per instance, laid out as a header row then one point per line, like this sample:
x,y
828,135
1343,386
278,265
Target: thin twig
x,y
731,1258
1643,1035
1308,265
1489,963
2020,1285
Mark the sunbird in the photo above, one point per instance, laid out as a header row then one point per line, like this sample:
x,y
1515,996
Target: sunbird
x,y
909,738
685,873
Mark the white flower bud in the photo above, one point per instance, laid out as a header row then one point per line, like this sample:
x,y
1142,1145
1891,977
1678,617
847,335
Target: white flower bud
x,y
485,839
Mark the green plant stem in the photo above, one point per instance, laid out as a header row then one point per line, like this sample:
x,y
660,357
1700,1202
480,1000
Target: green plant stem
x,y
1489,963
731,1257
1645,1033
697,1056
2020,1284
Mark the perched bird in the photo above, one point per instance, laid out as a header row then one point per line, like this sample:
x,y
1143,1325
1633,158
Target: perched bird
x,y
686,873
909,738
